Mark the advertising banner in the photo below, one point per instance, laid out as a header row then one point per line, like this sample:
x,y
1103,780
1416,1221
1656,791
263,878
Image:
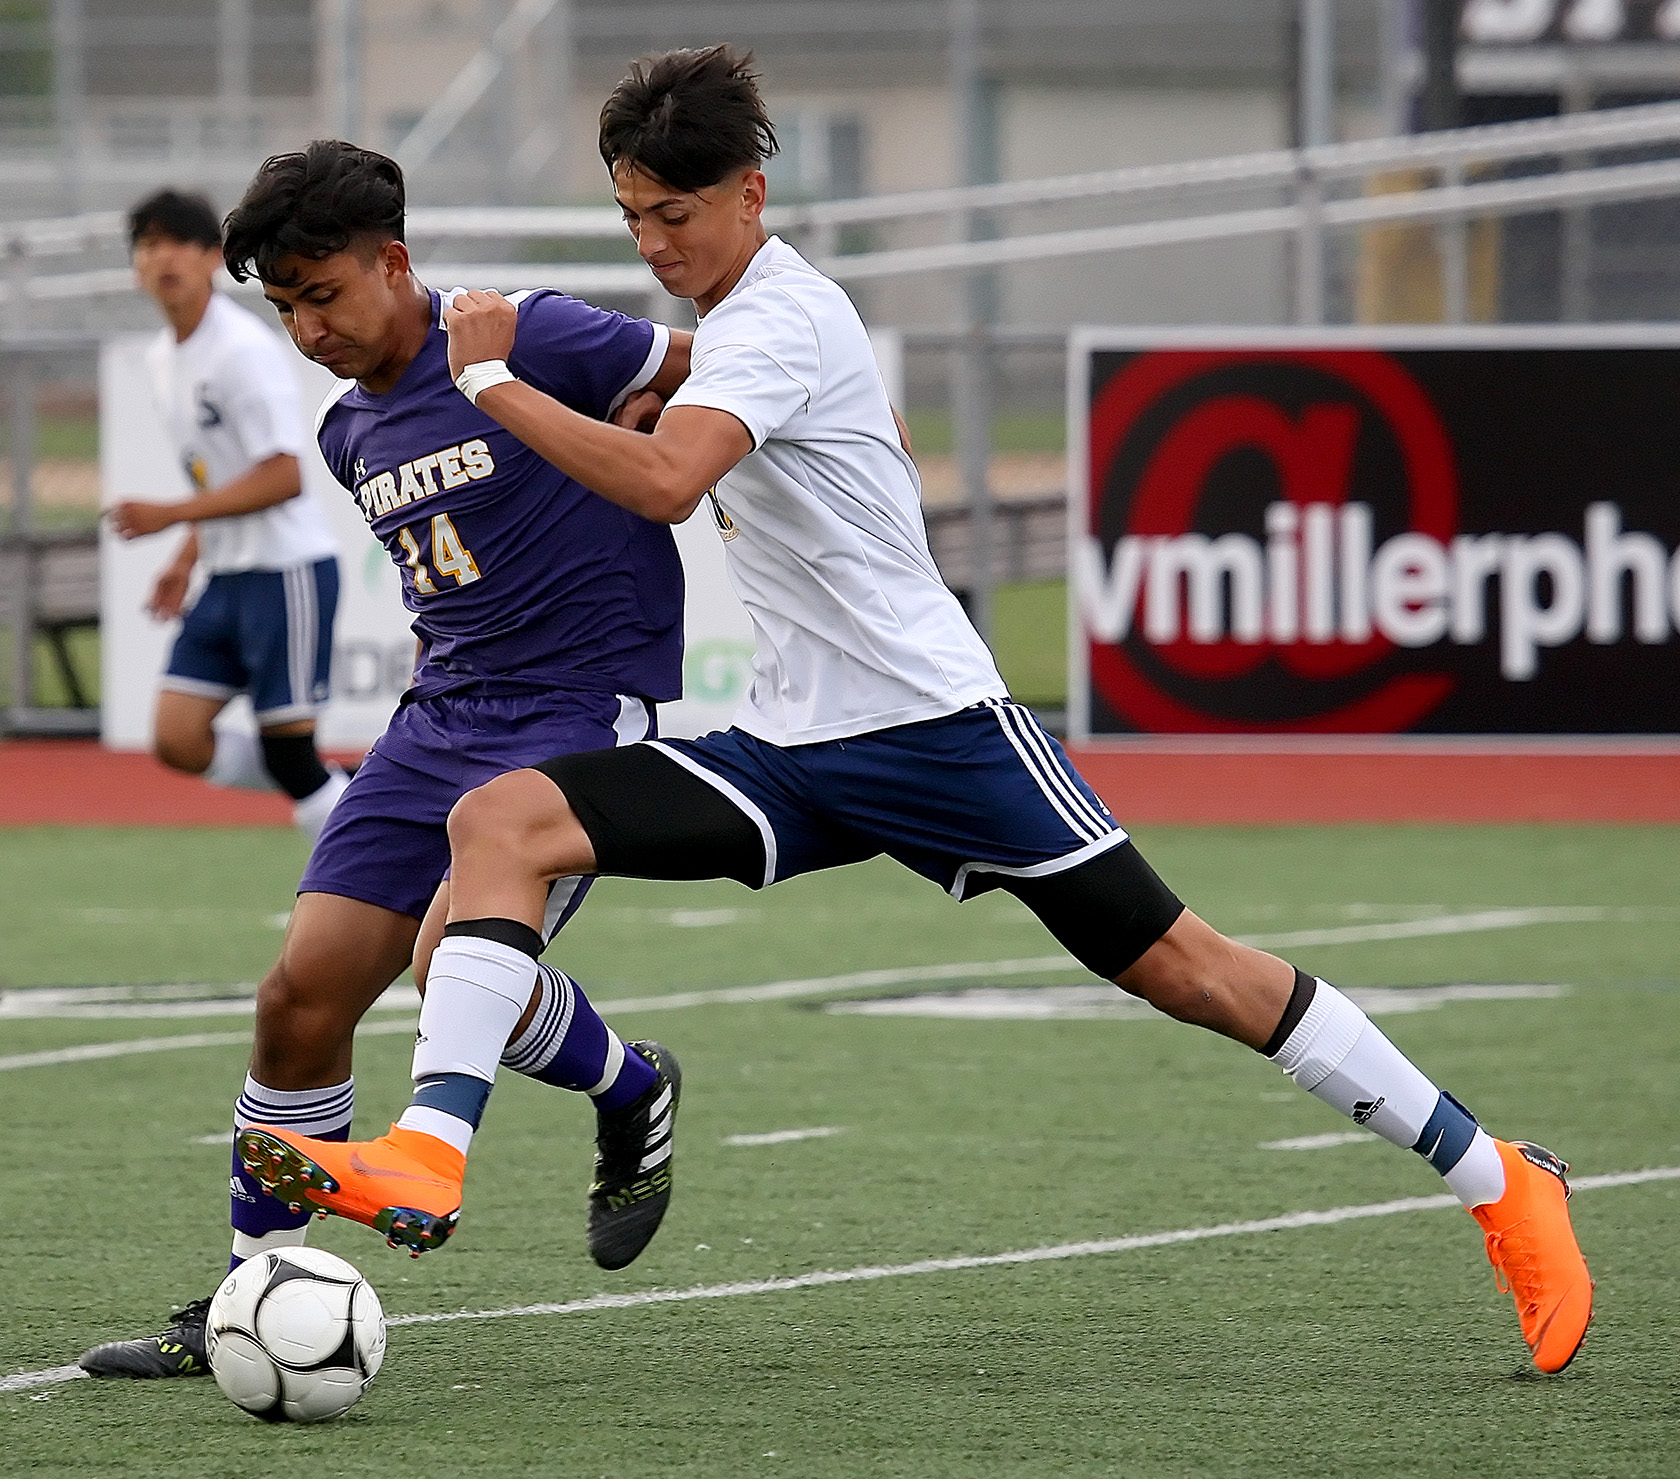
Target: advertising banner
x,y
373,648
1375,531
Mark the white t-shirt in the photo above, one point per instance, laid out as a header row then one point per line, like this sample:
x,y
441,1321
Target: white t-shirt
x,y
822,520
229,399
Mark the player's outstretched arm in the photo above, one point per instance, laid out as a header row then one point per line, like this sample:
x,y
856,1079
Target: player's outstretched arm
x,y
662,476
269,482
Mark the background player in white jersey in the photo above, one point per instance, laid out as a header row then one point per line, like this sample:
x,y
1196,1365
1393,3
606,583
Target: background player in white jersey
x,y
263,623
876,721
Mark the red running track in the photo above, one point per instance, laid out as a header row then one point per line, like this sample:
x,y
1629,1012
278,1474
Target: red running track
x,y
1156,781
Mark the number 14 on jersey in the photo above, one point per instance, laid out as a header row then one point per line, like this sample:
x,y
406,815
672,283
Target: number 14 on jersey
x,y
449,556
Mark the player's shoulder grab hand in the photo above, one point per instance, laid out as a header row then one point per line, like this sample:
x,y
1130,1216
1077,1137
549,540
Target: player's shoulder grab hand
x,y
481,326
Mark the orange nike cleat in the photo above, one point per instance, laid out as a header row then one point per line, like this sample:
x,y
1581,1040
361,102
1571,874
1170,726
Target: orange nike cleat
x,y
1535,1256
406,1184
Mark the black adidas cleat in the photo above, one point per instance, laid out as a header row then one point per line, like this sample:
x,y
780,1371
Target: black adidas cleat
x,y
178,1351
632,1186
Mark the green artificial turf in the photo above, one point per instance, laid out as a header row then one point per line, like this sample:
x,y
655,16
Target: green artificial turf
x,y
1377,1346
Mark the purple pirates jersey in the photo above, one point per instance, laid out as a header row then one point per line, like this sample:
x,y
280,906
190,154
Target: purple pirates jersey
x,y
519,578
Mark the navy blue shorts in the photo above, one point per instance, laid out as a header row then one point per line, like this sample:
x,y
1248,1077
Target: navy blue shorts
x,y
267,633
385,842
968,800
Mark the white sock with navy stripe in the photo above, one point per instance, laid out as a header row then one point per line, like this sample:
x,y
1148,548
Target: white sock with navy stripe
x,y
1337,1054
261,1222
477,988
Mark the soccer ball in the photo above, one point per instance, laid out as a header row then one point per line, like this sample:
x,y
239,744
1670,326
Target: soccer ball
x,y
295,1335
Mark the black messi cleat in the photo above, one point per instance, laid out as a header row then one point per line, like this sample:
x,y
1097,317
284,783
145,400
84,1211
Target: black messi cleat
x,y
178,1351
632,1184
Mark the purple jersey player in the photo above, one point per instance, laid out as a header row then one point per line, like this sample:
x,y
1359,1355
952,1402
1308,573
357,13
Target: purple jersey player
x,y
540,608
548,619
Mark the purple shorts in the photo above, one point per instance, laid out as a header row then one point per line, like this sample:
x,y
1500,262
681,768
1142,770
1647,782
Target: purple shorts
x,y
385,842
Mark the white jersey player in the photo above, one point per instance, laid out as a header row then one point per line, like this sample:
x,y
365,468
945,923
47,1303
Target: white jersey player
x,y
262,624
876,723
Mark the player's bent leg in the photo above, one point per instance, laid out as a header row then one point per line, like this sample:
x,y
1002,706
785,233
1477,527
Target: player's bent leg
x,y
338,956
184,736
507,841
289,756
561,1040
1105,912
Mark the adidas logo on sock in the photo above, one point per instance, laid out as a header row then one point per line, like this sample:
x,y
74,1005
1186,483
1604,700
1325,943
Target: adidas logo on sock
x,y
1364,1109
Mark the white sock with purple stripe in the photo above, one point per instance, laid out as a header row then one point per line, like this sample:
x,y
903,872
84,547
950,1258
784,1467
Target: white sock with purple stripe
x,y
261,1222
568,1045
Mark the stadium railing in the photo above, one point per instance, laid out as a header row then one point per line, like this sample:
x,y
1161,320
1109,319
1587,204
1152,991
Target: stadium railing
x,y
1445,180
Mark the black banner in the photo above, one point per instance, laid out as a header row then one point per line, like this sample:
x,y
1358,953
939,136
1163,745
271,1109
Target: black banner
x,y
1358,540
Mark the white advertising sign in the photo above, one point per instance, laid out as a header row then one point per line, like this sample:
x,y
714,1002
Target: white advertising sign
x,y
373,649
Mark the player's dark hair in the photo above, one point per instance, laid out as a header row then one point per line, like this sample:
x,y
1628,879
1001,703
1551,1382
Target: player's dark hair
x,y
312,204
179,215
688,118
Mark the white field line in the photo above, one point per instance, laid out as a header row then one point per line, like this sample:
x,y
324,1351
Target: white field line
x,y
1103,1003
1314,1142
783,1137
125,1002
1446,924
23,1380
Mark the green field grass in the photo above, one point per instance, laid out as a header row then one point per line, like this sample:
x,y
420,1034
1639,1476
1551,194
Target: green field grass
x,y
1377,1346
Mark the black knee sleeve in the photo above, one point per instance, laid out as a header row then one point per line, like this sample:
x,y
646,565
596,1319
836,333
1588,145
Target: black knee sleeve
x,y
292,761
513,933
1106,912
1300,998
648,817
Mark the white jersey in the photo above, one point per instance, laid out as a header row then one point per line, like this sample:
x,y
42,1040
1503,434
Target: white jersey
x,y
229,399
822,520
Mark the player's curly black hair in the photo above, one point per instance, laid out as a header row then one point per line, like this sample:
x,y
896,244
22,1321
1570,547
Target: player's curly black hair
x,y
312,204
688,118
178,214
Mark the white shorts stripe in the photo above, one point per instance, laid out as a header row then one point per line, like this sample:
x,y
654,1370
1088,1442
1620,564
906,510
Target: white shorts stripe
x,y
195,687
959,885
1052,768
298,583
289,599
1075,824
309,634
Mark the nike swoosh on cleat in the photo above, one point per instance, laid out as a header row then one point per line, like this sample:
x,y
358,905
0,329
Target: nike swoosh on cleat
x,y
1540,1335
360,1166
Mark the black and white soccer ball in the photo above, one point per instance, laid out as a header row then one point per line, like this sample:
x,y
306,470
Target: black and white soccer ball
x,y
295,1335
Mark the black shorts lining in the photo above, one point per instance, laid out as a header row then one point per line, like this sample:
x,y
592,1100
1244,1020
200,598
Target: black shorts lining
x,y
648,817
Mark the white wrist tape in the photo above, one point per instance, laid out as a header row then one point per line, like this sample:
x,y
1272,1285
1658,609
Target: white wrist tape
x,y
473,381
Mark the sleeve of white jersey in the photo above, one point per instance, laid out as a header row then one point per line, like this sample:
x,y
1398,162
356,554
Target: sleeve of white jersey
x,y
757,359
262,398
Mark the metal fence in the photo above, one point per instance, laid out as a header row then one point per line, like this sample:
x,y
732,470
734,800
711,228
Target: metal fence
x,y
49,565
1342,225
